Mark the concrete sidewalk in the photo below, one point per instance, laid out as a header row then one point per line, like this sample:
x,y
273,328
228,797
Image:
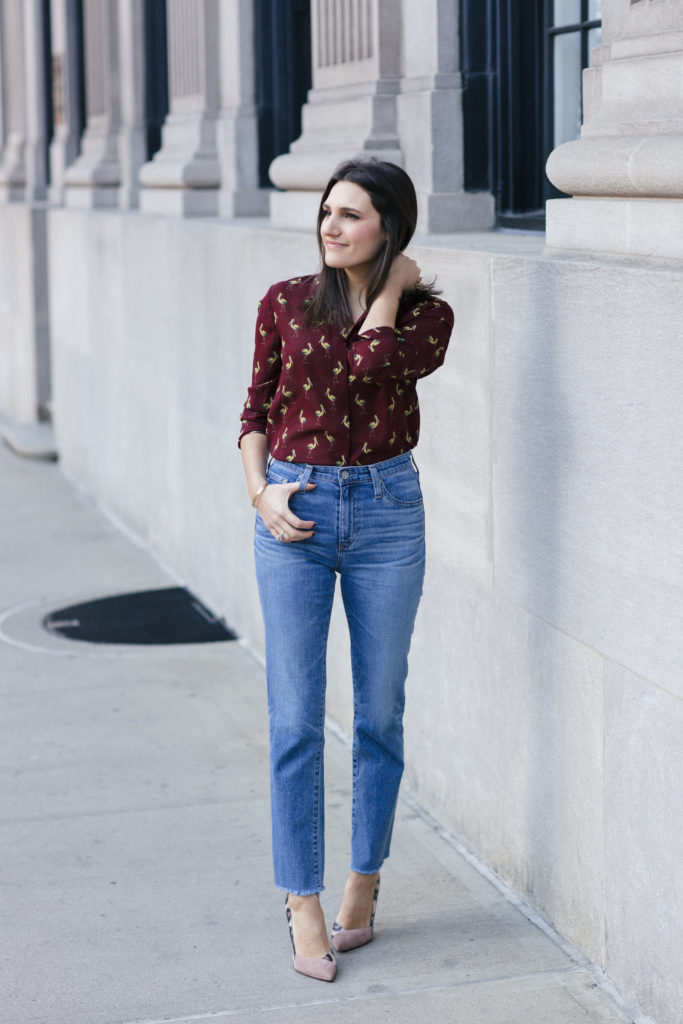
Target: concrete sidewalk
x,y
134,831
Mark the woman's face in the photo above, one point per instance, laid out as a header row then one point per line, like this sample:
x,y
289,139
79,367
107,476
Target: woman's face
x,y
351,228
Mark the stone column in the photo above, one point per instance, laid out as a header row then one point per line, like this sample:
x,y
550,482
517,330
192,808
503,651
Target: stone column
x,y
23,172
237,128
184,176
12,168
36,113
132,136
94,179
430,121
351,109
626,171
65,95
3,115
24,339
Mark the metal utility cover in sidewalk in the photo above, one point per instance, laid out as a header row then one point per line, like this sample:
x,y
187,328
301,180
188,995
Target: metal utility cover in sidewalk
x,y
171,615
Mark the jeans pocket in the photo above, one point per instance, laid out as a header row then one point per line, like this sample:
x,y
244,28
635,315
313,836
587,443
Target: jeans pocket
x,y
276,474
403,488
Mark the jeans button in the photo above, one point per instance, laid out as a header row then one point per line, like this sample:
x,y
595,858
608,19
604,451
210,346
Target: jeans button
x,y
345,474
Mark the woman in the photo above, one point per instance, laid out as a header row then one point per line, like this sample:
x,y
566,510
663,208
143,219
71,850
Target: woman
x,y
327,432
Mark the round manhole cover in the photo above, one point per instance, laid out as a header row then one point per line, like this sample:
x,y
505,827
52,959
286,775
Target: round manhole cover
x,y
171,615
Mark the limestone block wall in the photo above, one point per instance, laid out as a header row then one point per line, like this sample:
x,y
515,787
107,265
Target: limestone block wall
x,y
545,712
24,333
545,709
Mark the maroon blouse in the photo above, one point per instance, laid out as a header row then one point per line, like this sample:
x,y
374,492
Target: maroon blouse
x,y
329,396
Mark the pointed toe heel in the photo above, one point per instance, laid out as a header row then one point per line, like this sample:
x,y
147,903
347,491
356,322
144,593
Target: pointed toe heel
x,y
344,939
322,968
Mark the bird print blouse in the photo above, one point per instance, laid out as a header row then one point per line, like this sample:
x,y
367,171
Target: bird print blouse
x,y
340,396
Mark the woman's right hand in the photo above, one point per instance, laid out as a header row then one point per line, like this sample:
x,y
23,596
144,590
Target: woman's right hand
x,y
404,274
280,521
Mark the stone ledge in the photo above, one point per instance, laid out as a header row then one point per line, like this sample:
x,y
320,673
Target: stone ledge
x,y
179,202
310,170
297,210
294,211
91,197
295,222
634,227
30,440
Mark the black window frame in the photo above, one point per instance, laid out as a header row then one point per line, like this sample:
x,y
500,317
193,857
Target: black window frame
x,y
156,73
284,75
47,98
508,102
585,26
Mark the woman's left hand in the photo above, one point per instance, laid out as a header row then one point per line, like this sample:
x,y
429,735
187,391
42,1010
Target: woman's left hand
x,y
280,521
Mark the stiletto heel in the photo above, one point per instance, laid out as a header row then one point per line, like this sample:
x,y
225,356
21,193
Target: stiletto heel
x,y
323,968
344,939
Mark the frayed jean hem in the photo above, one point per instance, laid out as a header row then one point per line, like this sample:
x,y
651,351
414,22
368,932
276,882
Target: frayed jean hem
x,y
297,892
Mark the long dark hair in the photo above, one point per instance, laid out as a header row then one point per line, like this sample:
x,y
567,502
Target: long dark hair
x,y
392,194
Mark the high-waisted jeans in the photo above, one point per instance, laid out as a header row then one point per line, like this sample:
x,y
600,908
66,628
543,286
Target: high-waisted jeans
x,y
370,530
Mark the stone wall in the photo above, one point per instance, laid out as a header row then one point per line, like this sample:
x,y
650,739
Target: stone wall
x,y
545,716
24,330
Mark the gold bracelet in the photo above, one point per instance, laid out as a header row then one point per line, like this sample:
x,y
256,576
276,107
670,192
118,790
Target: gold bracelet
x,y
258,494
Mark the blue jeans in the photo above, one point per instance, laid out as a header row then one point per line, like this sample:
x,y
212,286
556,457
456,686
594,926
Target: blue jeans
x,y
370,530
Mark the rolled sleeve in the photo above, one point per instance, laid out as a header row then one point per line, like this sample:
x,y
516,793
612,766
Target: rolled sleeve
x,y
414,349
265,371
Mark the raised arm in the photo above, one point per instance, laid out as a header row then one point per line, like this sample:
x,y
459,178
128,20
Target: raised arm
x,y
413,347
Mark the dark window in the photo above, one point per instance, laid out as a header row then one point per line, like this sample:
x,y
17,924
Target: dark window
x,y
62,82
574,29
156,72
76,37
55,75
48,99
283,75
521,64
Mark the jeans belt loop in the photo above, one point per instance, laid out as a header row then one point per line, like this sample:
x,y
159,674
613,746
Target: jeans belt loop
x,y
376,481
305,477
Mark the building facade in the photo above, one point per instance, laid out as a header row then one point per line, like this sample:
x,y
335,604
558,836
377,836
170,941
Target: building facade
x,y
138,232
